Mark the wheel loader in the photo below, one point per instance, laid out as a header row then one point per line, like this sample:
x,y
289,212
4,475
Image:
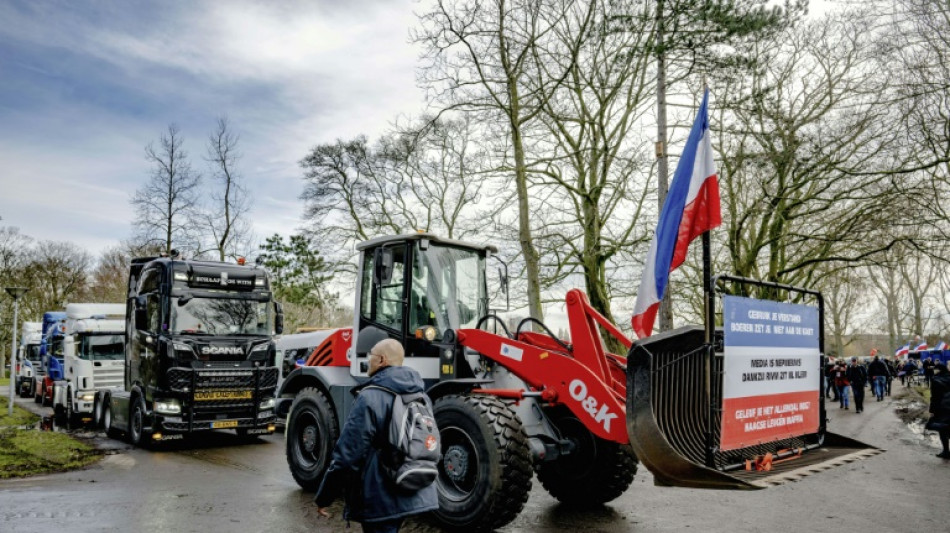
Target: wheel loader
x,y
512,405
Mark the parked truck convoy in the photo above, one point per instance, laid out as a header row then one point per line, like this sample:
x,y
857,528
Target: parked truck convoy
x,y
28,357
199,351
51,357
93,359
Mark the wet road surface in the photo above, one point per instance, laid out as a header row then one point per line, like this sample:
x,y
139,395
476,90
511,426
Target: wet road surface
x,y
222,484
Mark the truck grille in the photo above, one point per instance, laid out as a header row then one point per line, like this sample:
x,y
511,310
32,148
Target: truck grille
x,y
104,377
192,379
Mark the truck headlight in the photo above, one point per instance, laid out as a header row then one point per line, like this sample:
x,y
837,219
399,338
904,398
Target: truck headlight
x,y
267,404
182,347
260,348
87,396
168,407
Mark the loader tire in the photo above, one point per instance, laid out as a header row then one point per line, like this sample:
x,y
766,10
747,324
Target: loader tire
x,y
603,468
485,471
312,431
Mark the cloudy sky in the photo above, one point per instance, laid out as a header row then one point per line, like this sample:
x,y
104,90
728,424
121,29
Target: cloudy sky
x,y
86,85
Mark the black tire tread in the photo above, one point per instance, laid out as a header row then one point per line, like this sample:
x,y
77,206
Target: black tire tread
x,y
320,399
609,477
515,463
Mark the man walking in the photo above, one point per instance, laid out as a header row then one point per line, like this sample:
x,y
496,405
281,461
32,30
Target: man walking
x,y
356,466
940,408
858,376
878,372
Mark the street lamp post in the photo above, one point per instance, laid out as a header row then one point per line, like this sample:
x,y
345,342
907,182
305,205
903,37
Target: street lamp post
x,y
15,293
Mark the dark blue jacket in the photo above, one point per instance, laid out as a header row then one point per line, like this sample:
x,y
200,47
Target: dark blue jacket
x,y
355,468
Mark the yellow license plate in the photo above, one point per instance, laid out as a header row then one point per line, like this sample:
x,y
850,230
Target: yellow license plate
x,y
204,396
224,424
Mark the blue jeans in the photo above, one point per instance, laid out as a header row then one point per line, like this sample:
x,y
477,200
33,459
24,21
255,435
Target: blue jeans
x,y
843,395
878,384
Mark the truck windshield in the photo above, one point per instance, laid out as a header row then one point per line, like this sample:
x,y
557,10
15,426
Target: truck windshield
x,y
101,347
221,316
448,288
33,352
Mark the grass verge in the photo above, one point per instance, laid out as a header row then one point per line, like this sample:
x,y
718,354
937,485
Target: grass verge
x,y
26,451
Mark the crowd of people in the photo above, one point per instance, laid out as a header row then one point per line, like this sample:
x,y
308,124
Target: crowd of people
x,y
848,378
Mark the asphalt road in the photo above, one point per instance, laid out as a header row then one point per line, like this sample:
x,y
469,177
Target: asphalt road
x,y
220,484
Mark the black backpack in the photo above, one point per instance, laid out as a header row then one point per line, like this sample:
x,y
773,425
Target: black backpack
x,y
415,447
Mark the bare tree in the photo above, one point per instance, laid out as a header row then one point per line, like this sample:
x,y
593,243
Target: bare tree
x,y
165,205
407,181
57,274
492,58
598,169
805,158
108,282
225,219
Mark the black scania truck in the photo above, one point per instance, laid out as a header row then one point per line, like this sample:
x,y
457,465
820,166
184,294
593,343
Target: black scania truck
x,y
199,352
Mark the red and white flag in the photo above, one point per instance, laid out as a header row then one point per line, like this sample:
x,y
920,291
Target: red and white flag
x,y
691,208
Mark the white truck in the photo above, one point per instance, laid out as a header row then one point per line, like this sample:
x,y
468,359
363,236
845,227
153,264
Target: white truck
x,y
28,359
93,359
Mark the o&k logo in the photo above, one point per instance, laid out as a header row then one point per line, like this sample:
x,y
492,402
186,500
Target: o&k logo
x,y
578,391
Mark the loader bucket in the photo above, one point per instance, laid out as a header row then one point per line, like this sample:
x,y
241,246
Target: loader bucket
x,y
669,411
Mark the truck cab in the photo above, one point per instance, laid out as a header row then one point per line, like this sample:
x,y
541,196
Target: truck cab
x,y
93,358
199,351
28,358
52,347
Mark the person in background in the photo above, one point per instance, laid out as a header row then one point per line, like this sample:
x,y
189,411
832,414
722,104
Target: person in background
x,y
831,386
891,372
842,384
940,407
878,373
910,370
928,365
858,376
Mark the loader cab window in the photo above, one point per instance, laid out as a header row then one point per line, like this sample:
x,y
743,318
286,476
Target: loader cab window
x,y
389,270
366,287
448,288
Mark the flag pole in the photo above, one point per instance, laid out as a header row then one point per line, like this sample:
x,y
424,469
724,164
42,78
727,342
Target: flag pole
x,y
709,304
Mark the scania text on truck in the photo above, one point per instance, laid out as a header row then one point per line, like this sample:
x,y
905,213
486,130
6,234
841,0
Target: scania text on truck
x,y
199,351
93,359
28,358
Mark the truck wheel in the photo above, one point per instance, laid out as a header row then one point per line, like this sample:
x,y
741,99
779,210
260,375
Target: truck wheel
x,y
36,397
111,432
24,390
97,411
47,397
70,415
137,436
485,472
312,430
603,468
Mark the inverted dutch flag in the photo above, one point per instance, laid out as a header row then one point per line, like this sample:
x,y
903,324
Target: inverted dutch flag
x,y
903,350
922,346
941,345
691,208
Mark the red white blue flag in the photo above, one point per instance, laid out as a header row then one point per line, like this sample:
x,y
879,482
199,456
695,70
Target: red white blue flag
x,y
903,350
941,345
691,208
922,346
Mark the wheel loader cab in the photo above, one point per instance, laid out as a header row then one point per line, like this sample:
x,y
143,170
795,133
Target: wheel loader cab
x,y
415,288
